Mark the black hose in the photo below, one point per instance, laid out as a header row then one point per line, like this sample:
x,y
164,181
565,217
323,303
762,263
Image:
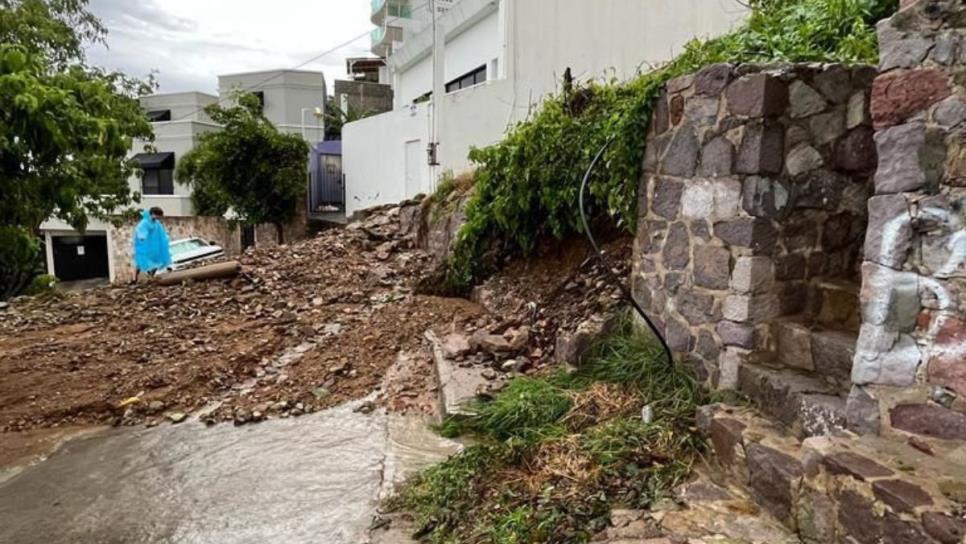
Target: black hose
x,y
600,256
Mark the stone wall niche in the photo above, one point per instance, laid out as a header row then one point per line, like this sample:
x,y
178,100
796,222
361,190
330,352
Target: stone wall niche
x,y
752,202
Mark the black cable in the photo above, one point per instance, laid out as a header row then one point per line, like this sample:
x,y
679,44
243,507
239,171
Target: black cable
x,y
600,256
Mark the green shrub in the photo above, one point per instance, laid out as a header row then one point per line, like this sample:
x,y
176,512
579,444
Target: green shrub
x,y
19,260
527,185
42,285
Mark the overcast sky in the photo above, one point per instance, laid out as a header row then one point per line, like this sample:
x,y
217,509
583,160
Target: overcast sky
x,y
189,42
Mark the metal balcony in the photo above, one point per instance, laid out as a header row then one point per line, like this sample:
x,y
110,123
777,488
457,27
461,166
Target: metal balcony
x,y
390,9
383,39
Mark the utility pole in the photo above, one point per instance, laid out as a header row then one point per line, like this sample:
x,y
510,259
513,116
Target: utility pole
x,y
436,108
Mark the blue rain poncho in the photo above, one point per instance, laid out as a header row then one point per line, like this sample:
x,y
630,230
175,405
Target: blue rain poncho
x,y
152,249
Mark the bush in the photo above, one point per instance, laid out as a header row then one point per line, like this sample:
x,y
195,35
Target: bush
x,y
19,260
43,284
527,185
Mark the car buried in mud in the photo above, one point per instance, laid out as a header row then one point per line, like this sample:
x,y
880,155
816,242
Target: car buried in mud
x,y
189,252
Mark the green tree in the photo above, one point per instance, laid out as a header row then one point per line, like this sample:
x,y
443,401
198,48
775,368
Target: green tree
x,y
248,166
336,118
65,127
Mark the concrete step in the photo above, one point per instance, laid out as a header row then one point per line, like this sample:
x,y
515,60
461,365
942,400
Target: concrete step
x,y
804,404
826,353
843,488
836,305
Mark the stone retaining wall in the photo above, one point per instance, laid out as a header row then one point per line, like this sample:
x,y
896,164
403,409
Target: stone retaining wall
x,y
912,345
755,187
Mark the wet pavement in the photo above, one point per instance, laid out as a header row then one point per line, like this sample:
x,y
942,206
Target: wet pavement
x,y
312,479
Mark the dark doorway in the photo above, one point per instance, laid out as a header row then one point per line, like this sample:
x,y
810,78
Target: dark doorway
x,y
80,257
247,237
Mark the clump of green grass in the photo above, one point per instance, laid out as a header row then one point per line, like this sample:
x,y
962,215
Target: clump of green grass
x,y
555,452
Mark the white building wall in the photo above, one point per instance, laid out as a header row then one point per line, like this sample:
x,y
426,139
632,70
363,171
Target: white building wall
x,y
534,42
287,94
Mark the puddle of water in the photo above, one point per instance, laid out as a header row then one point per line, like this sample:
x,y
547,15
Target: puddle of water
x,y
312,479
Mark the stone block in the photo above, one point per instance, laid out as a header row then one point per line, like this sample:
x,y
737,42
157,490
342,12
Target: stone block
x,y
947,359
948,47
713,200
707,347
827,127
757,95
911,157
774,478
900,94
803,158
712,267
712,80
857,151
765,197
726,438
667,197
862,412
832,354
778,393
888,238
950,113
678,336
681,157
697,308
680,83
761,150
898,49
896,366
901,495
889,298
854,465
794,344
946,529
737,334
753,275
700,111
835,82
750,308
717,157
822,415
804,100
820,189
929,420
755,233
676,110
816,517
858,517
677,248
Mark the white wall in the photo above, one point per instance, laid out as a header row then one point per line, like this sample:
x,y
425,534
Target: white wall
x,y
374,157
183,106
287,93
474,47
413,82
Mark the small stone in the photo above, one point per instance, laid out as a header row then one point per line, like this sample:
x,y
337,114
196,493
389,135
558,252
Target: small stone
x,y
726,436
803,159
492,343
367,407
677,249
950,113
827,127
857,151
804,100
944,528
455,345
489,374
761,150
717,157
758,234
667,197
711,266
857,113
696,307
750,308
765,197
176,417
713,79
835,82
775,478
901,495
857,466
321,392
910,157
752,275
899,50
736,334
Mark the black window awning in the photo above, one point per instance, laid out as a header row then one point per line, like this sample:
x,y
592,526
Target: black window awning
x,y
159,115
155,161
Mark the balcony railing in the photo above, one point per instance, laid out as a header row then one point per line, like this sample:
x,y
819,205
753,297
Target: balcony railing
x,y
382,9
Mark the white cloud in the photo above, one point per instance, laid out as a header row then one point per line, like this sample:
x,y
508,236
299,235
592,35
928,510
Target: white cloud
x,y
189,42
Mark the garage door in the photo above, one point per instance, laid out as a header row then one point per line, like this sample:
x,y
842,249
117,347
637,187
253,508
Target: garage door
x,y
80,257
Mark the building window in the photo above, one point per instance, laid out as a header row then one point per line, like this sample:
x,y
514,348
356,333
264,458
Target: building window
x,y
156,116
159,181
157,176
467,80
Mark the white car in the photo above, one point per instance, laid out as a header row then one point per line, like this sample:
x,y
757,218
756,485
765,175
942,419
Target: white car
x,y
190,251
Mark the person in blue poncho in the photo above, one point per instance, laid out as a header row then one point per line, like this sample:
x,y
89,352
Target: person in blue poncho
x,y
152,250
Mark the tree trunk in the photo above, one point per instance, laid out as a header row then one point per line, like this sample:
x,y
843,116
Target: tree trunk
x,y
280,229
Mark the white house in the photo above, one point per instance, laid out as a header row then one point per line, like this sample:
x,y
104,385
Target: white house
x,y
497,60
290,99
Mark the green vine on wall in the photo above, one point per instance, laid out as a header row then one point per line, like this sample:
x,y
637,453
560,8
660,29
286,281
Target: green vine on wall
x,y
526,185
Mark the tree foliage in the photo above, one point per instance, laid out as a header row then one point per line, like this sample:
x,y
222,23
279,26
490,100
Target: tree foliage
x,y
248,166
336,118
527,185
66,128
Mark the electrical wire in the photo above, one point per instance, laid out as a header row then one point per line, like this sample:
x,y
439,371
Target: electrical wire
x,y
603,261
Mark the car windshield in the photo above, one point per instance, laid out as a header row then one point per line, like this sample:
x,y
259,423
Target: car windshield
x,y
185,246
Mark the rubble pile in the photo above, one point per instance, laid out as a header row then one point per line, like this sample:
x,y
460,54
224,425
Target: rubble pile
x,y
306,326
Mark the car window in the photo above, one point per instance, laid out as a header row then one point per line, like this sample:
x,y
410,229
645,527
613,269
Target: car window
x,y
184,246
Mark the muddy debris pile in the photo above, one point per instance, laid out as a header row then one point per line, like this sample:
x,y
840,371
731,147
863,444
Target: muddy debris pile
x,y
306,326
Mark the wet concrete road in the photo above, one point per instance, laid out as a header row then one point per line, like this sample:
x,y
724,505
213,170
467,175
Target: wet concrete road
x,y
312,479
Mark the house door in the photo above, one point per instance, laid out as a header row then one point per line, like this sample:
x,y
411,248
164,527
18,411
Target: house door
x,y
415,159
80,257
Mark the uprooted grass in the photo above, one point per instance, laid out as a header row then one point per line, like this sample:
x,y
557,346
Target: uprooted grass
x,y
553,454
